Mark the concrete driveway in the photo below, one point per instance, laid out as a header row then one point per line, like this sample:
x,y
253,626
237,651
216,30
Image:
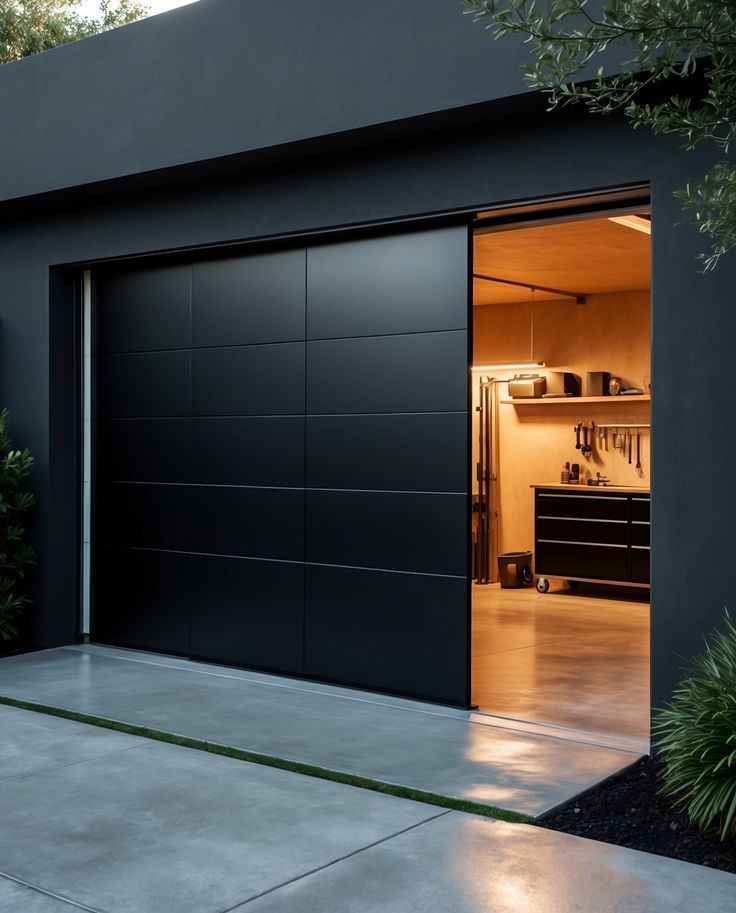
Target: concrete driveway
x,y
454,753
111,823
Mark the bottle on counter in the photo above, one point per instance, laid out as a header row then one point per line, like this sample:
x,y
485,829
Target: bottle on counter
x,y
565,474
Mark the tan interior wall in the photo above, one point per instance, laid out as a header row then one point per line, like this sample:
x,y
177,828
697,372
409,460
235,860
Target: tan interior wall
x,y
609,333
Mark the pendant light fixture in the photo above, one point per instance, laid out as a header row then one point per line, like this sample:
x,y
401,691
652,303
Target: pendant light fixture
x,y
519,365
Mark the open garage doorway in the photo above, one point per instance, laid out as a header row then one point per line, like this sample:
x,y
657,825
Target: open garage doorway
x,y
561,451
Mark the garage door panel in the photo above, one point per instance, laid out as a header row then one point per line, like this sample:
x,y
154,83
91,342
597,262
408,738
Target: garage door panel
x,y
389,452
395,632
260,450
398,284
144,385
245,300
143,516
225,456
143,450
248,380
248,612
425,372
142,600
143,310
252,522
422,533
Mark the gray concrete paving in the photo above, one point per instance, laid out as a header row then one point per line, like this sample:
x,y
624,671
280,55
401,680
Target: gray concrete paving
x,y
19,898
423,746
153,827
30,749
463,864
147,827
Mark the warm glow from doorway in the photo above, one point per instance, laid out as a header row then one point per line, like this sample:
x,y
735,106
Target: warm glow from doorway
x,y
636,222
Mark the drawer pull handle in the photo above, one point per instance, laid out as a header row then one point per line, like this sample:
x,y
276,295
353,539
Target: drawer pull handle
x,y
581,519
641,522
568,542
642,548
643,500
588,497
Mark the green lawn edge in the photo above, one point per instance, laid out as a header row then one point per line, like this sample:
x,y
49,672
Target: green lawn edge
x,y
254,757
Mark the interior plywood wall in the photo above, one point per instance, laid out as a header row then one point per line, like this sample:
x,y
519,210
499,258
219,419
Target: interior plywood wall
x,y
611,332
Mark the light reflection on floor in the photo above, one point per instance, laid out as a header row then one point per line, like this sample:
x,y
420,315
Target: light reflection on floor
x,y
573,659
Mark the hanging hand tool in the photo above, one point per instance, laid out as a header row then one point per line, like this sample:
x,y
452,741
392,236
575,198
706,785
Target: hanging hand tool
x,y
631,438
576,429
585,449
639,470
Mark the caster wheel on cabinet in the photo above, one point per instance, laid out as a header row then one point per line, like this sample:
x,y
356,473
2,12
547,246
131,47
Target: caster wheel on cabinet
x,y
543,585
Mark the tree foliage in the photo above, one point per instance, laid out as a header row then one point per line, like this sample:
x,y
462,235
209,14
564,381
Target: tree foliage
x,y
30,26
16,555
625,55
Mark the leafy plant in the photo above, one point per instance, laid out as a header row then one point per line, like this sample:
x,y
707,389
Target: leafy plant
x,y
16,555
626,55
696,735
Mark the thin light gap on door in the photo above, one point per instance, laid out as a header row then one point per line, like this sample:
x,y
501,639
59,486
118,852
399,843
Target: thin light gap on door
x,y
86,450
304,477
189,472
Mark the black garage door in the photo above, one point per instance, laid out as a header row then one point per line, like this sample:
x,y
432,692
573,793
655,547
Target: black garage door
x,y
280,472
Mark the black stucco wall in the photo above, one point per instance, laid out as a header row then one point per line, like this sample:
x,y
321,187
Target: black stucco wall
x,y
225,76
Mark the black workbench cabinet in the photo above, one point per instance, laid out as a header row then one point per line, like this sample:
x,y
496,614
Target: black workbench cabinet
x,y
592,534
263,494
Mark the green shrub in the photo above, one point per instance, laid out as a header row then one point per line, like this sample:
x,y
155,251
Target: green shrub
x,y
696,736
15,553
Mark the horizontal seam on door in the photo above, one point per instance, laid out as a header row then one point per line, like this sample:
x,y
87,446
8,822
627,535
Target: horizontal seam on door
x,y
386,335
380,491
149,418
232,345
283,342
179,551
385,570
348,567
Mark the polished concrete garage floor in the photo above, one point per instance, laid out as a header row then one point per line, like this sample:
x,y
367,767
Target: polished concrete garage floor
x,y
573,659
112,823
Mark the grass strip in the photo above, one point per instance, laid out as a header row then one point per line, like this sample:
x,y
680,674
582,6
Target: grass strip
x,y
254,757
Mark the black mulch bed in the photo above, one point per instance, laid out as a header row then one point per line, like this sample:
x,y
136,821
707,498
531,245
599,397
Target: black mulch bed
x,y
628,811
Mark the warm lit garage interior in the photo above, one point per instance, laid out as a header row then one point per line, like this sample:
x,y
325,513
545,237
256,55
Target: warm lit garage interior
x,y
564,306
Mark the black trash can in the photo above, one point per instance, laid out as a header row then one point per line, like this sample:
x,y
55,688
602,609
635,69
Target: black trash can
x,y
515,569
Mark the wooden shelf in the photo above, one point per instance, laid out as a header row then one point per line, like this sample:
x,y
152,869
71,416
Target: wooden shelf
x,y
578,400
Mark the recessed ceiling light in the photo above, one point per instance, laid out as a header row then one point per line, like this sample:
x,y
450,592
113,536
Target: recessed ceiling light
x,y
636,222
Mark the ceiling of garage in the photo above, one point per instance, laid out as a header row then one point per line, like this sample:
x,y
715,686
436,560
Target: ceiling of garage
x,y
588,256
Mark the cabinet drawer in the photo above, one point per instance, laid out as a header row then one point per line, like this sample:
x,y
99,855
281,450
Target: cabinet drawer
x,y
583,506
575,559
640,531
573,529
640,557
640,508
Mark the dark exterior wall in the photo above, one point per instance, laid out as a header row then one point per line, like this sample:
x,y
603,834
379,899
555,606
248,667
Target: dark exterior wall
x,y
221,77
501,157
